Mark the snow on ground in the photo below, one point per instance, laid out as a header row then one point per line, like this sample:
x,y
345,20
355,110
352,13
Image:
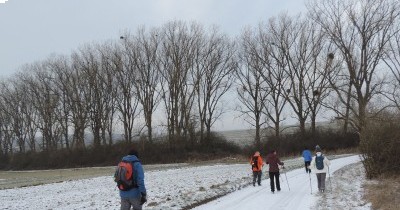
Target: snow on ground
x,y
299,197
167,189
347,190
175,189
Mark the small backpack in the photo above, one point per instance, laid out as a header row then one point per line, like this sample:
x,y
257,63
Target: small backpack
x,y
319,162
255,162
124,176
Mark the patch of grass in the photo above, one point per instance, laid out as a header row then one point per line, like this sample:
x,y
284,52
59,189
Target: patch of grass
x,y
384,193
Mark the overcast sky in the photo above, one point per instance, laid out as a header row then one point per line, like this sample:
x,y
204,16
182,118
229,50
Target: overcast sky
x,y
31,30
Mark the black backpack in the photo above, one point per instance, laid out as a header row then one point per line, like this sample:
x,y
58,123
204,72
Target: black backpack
x,y
319,162
254,164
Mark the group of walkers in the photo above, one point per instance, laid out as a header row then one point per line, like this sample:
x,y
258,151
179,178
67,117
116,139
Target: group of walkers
x,y
319,164
273,161
129,174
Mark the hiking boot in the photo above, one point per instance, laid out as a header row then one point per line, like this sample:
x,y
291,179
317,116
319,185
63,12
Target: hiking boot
x,y
254,184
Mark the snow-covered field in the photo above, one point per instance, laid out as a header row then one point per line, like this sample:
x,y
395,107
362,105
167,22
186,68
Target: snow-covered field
x,y
175,189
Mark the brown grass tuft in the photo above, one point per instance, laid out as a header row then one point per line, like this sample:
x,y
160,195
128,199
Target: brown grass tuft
x,y
384,193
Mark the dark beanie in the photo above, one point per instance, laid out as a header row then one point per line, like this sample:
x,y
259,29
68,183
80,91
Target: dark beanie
x,y
133,152
318,149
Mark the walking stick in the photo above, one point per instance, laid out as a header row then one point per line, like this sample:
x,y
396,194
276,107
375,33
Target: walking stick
x,y
309,175
287,182
330,183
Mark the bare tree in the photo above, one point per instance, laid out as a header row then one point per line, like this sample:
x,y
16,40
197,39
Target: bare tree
x,y
180,42
252,89
342,100
392,60
301,44
145,58
90,69
45,100
109,85
127,102
213,73
78,94
61,69
361,31
6,133
273,63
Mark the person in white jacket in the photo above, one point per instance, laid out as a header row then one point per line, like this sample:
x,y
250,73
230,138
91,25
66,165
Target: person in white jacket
x,y
320,164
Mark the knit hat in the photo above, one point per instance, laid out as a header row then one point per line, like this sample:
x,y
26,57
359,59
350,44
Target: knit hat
x,y
317,148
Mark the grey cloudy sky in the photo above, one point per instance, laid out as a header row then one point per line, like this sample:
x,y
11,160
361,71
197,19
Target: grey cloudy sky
x,y
31,30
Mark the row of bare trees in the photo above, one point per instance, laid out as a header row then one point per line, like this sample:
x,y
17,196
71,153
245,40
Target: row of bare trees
x,y
340,57
285,63
120,84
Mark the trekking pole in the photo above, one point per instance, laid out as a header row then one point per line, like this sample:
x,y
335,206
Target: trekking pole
x,y
330,183
287,182
309,176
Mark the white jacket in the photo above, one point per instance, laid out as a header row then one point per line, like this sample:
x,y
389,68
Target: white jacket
x,y
314,167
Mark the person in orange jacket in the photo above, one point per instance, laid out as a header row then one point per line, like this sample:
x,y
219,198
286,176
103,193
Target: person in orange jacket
x,y
256,165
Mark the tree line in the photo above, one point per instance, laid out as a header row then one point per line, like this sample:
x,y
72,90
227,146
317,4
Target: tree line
x,y
343,57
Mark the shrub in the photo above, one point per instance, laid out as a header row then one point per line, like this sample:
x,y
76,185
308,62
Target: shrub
x,y
380,149
159,151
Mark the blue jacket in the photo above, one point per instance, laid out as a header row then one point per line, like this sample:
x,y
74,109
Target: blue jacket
x,y
307,155
139,175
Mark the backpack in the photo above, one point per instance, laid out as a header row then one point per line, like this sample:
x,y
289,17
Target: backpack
x,y
319,162
255,162
124,176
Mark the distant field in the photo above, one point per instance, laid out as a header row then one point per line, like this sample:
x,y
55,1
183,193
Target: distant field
x,y
15,179
246,137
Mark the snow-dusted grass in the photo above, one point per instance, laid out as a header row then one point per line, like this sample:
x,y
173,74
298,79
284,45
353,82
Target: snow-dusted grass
x,y
345,190
168,188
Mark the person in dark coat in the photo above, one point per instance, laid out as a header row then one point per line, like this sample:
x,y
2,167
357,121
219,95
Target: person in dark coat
x,y
273,161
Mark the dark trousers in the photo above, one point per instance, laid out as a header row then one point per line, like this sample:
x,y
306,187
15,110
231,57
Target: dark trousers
x,y
272,176
257,176
307,164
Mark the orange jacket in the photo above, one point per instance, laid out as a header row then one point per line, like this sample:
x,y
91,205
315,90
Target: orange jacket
x,y
259,165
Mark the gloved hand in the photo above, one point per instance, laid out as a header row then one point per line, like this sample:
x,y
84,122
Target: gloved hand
x,y
143,199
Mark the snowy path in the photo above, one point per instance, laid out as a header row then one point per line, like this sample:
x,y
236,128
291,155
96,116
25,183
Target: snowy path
x,y
299,196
